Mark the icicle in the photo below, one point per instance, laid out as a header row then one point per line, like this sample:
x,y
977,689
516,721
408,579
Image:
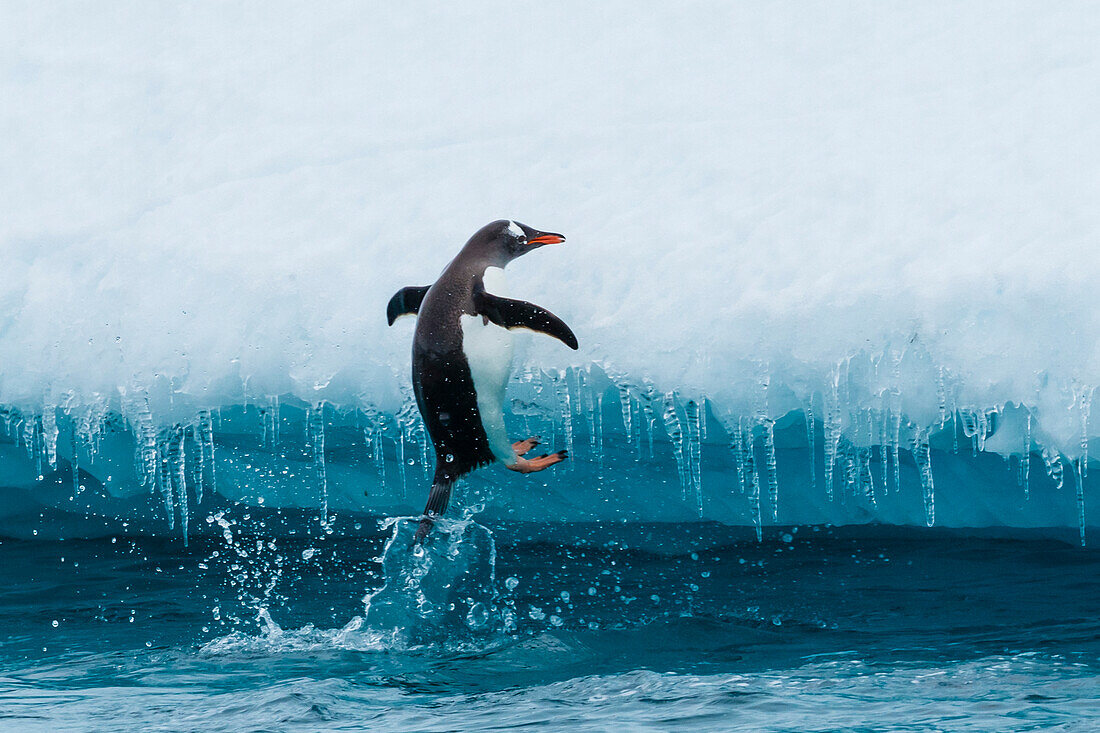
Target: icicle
x,y
624,405
1079,476
49,435
585,396
206,452
75,447
1053,462
1084,401
372,436
177,474
737,447
832,431
808,413
599,423
650,415
315,421
851,468
941,394
883,451
922,454
1025,458
763,418
380,456
276,420
636,435
196,461
93,424
695,452
25,431
37,445
406,419
676,437
147,446
561,388
753,474
867,479
703,418
895,441
164,481
773,475
970,428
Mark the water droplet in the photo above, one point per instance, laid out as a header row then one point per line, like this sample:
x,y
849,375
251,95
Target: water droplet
x,y
55,623
511,583
308,553
478,616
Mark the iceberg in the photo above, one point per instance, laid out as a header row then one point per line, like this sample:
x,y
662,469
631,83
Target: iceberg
x,y
822,270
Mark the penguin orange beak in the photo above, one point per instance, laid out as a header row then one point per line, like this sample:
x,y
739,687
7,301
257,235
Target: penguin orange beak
x,y
547,238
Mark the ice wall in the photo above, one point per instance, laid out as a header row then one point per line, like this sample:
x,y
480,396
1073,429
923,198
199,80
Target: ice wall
x,y
882,214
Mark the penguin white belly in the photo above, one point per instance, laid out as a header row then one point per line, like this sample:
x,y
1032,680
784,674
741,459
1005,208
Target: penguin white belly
x,y
488,350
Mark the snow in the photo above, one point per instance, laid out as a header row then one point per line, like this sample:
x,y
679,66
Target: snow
x,y
207,205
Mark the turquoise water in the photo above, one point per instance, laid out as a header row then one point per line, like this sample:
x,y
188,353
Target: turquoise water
x,y
259,625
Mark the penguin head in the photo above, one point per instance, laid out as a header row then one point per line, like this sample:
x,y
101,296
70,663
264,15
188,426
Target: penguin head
x,y
504,240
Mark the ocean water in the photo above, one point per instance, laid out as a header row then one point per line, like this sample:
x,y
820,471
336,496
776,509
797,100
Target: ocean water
x,y
815,628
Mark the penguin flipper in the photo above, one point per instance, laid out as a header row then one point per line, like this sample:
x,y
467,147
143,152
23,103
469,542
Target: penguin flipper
x,y
508,313
405,301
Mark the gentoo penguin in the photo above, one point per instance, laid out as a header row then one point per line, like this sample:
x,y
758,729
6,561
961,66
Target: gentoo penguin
x,y
462,357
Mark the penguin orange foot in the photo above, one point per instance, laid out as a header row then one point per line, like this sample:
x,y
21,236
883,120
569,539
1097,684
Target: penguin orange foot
x,y
531,465
523,447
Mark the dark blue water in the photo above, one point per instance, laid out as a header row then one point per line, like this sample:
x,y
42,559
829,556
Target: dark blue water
x,y
674,627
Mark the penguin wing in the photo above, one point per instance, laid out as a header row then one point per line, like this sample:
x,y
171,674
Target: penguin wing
x,y
405,301
508,313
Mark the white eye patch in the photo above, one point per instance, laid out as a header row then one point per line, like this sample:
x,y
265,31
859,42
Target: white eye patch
x,y
515,231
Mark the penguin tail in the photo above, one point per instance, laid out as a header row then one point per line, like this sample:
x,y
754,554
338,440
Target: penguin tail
x,y
438,498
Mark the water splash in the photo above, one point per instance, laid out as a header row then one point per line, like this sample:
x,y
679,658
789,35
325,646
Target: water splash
x,y
440,587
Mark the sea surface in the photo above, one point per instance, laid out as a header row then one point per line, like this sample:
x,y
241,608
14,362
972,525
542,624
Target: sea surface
x,y
257,627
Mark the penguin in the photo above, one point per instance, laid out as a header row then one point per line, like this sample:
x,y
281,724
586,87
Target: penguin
x,y
462,357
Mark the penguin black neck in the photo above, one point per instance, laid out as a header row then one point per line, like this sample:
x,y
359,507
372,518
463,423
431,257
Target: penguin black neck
x,y
467,267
